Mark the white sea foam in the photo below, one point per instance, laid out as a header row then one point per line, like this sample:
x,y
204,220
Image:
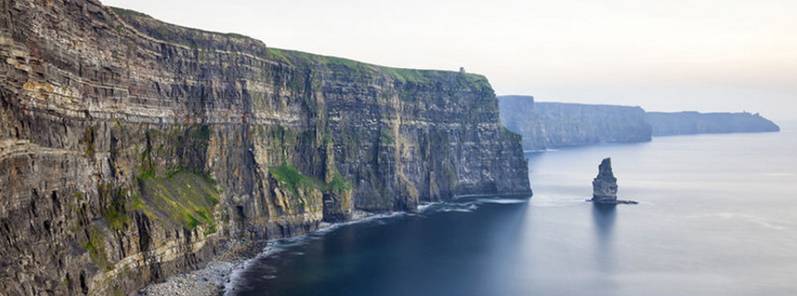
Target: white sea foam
x,y
423,207
461,206
503,201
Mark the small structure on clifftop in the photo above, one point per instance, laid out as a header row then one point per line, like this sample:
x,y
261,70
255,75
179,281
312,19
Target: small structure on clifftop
x,y
604,186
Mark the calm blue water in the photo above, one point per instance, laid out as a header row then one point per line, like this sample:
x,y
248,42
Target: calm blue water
x,y
717,216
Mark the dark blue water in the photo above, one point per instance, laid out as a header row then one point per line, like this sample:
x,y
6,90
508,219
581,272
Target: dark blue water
x,y
717,216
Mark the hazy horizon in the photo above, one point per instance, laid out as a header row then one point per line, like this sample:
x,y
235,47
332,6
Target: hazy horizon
x,y
673,56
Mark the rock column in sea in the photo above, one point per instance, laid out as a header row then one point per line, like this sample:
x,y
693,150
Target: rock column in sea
x,y
604,186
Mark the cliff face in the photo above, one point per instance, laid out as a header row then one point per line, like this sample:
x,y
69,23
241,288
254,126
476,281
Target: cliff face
x,y
131,149
686,123
550,125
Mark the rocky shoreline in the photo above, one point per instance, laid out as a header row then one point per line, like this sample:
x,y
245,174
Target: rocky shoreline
x,y
210,280
213,279
203,282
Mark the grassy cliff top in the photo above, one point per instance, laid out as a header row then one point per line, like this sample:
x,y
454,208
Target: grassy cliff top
x,y
207,40
296,58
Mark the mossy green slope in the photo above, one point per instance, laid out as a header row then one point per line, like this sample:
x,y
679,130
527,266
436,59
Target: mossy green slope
x,y
184,198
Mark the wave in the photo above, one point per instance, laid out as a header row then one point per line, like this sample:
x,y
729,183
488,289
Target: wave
x,y
502,201
451,207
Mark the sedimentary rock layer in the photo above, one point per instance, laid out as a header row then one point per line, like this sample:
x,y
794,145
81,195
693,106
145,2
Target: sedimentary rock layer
x,y
551,125
131,149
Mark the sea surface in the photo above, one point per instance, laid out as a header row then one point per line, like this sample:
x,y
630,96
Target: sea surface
x,y
717,215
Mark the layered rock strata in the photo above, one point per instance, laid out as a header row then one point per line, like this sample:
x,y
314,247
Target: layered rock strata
x,y
132,149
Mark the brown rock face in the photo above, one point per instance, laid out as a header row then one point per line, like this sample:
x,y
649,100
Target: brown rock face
x,y
131,149
604,186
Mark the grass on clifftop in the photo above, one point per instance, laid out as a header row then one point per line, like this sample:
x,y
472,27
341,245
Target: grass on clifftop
x,y
124,12
296,58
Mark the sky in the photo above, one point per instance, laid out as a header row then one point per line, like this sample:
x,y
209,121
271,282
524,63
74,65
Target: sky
x,y
674,55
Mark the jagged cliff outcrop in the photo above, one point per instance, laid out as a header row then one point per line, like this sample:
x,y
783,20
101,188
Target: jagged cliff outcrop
x,y
688,123
551,125
131,149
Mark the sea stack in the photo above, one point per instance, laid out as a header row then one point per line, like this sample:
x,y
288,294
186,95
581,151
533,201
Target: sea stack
x,y
604,186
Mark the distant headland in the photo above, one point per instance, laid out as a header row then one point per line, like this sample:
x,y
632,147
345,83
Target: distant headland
x,y
689,123
545,125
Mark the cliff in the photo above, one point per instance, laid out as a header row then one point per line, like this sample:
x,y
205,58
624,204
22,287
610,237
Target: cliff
x,y
132,149
551,125
686,123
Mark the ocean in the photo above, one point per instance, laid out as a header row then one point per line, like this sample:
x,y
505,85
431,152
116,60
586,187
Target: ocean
x,y
717,215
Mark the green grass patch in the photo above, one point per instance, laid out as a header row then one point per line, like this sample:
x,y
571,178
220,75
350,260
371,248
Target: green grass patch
x,y
89,140
410,75
298,58
338,184
386,138
277,54
96,249
125,12
146,175
289,178
302,58
184,197
116,215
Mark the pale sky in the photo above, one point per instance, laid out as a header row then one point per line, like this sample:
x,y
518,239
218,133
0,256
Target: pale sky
x,y
663,55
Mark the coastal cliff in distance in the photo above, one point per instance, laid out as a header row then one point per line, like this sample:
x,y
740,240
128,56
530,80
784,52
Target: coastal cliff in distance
x,y
546,125
132,149
552,125
688,123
